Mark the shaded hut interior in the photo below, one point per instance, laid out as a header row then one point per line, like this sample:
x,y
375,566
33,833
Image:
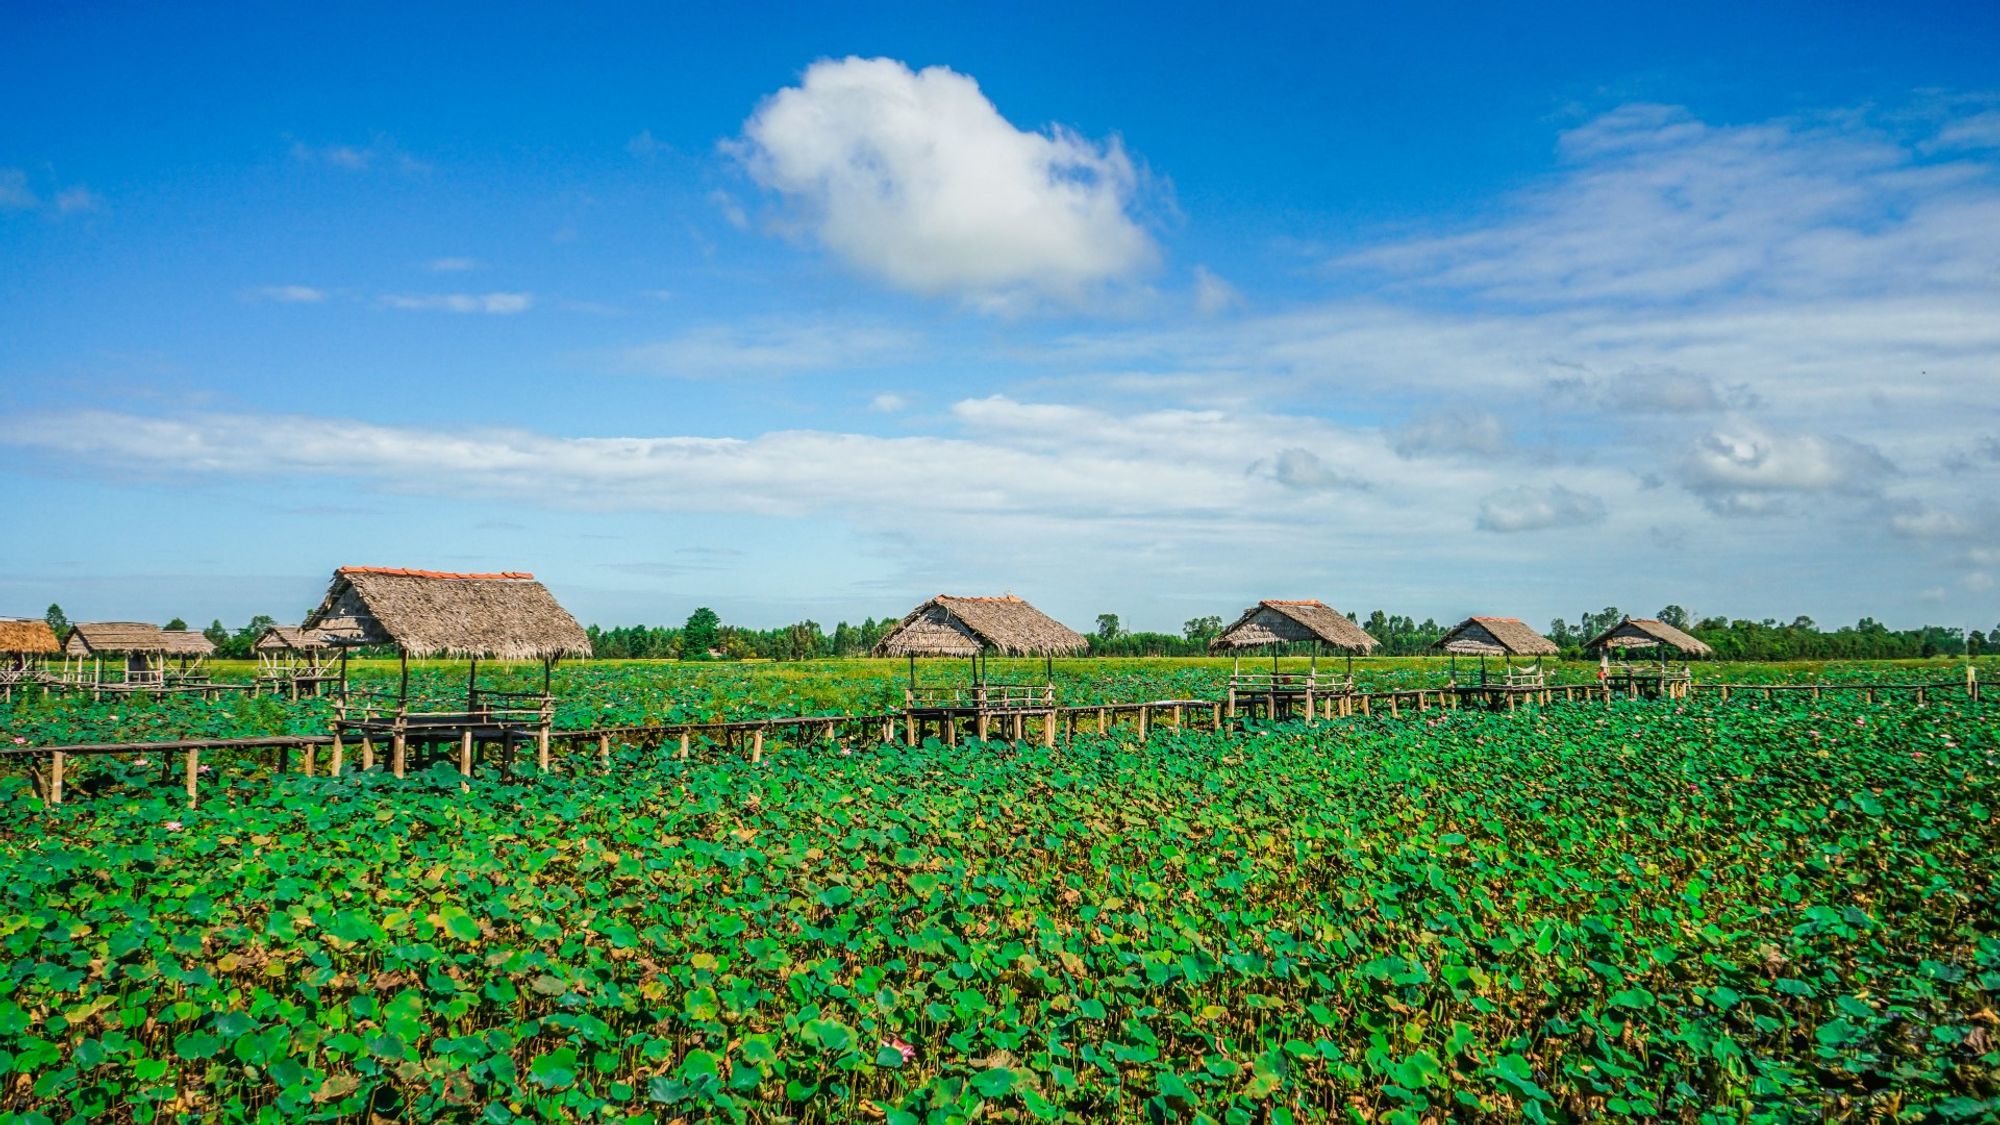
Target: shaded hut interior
x,y
1654,638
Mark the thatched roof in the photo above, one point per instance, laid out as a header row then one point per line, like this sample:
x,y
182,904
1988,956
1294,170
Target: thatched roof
x,y
27,636
509,615
1496,636
292,638
1272,621
1640,632
948,626
182,642
92,638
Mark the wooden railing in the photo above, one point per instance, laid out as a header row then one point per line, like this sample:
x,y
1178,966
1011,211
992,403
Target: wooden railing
x,y
983,697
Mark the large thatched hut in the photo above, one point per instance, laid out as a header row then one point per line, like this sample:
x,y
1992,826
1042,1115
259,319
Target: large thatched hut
x,y
26,643
1505,637
976,629
428,613
1644,635
137,649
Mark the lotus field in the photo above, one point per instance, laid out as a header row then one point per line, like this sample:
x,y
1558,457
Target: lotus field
x,y
1716,912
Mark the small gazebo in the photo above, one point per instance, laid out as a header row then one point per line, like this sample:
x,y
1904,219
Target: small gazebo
x,y
978,629
1640,634
138,651
427,613
294,661
1279,624
188,651
1505,637
26,643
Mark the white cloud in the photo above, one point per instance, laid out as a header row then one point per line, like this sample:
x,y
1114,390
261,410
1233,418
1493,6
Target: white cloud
x,y
382,151
71,200
1212,294
1455,432
452,265
1658,390
500,304
770,347
888,403
1531,508
1980,130
1743,470
15,194
287,294
1920,521
732,211
1302,470
645,144
915,178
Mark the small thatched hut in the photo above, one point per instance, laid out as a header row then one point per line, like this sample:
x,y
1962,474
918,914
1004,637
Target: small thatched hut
x,y
977,628
292,659
1276,623
1506,637
26,643
425,613
188,649
140,647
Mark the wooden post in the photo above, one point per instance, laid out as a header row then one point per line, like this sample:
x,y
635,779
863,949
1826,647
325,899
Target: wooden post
x,y
684,746
1393,712
367,753
1215,715
56,762
1920,697
1232,700
604,751
909,728
1014,726
338,758
465,753
1365,706
1871,695
193,771
1144,713
542,749
1104,720
757,746
1049,731
398,753
982,723
1312,712
310,757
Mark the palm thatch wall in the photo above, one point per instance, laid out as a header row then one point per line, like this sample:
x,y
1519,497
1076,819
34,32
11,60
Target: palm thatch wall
x,y
292,638
951,626
1641,632
508,616
1496,636
27,636
1274,621
95,638
181,642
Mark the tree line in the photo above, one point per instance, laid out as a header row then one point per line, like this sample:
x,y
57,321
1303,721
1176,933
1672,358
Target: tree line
x,y
704,636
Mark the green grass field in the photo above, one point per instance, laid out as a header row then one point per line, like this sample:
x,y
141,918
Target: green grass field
x,y
1717,912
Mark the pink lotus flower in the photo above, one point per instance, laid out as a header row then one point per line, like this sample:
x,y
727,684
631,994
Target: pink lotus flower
x,y
908,1052
20,742
173,826
141,762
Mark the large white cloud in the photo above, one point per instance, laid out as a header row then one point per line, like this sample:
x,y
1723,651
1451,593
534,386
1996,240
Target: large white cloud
x,y
916,178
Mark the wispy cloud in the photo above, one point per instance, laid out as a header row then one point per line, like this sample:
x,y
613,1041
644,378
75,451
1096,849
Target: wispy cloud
x,y
1212,294
498,304
452,265
17,193
769,347
286,294
380,152
914,177
1538,508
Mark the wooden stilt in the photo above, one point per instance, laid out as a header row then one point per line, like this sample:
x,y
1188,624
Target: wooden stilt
x,y
757,745
542,749
465,754
1104,720
57,761
338,758
193,771
1144,713
604,752
367,753
684,746
1049,731
399,753
910,728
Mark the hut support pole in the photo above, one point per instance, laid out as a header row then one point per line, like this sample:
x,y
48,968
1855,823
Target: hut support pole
x,y
367,753
193,770
910,728
339,756
465,754
1049,730
403,692
398,753
756,745
542,748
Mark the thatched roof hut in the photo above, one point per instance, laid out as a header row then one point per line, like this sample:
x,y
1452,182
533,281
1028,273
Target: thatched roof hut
x,y
98,638
292,638
508,616
183,642
1640,632
1274,621
949,626
27,636
1495,636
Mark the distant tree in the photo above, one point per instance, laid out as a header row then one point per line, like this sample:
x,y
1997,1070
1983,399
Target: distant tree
x,y
1201,630
243,643
702,633
176,626
1675,616
57,619
1108,627
216,634
1975,643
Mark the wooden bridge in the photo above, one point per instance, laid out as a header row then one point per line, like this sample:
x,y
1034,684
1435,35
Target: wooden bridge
x,y
1045,725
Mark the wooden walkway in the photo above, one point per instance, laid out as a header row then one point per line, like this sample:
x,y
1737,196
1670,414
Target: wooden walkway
x,y
1044,725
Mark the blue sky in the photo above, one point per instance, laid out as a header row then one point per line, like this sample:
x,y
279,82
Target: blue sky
x,y
803,313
